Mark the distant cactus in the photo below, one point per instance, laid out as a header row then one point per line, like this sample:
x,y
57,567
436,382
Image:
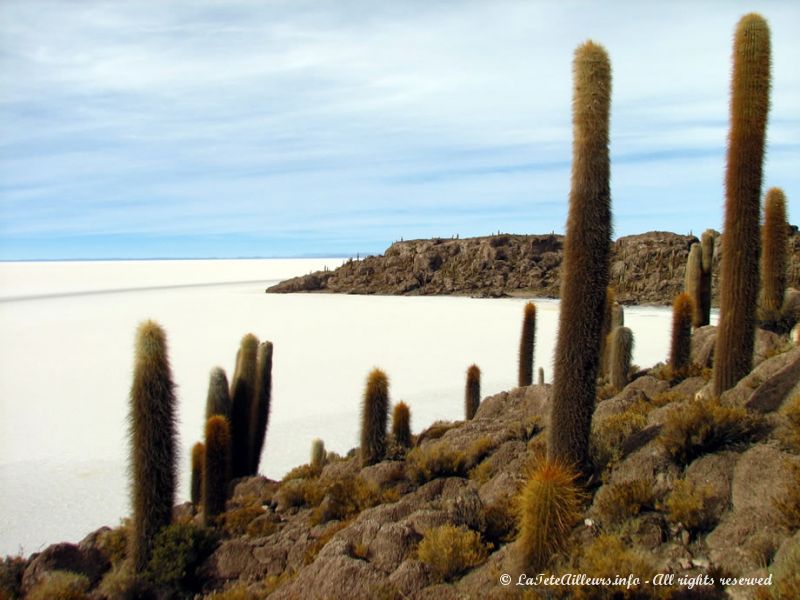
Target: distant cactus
x,y
153,442
401,424
697,282
739,277
549,506
620,352
526,345
681,346
216,468
585,266
259,417
374,417
605,330
617,315
774,237
218,401
198,456
541,376
707,246
317,454
243,391
472,392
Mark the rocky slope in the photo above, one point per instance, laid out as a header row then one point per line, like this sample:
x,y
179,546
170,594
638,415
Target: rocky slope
x,y
645,269
687,487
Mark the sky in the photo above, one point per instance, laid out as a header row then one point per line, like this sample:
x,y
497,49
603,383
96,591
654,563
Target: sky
x,y
232,128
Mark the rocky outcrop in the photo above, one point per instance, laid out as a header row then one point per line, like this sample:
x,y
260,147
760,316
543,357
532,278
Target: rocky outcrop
x,y
645,269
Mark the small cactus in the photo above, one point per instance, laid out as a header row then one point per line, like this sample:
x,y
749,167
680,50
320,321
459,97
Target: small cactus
x,y
472,393
218,401
401,424
526,345
374,417
739,277
243,392
620,351
216,468
549,505
198,456
317,454
774,236
153,442
541,375
681,346
259,418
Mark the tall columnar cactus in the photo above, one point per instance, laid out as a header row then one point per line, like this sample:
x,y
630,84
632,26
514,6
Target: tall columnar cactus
x,y
198,456
401,424
693,282
739,278
526,344
218,400
243,393
774,236
707,244
681,346
153,441
586,261
259,418
317,454
472,392
374,417
216,468
620,351
541,376
549,505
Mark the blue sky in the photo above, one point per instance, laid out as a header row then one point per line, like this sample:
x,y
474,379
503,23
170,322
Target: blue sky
x,y
218,128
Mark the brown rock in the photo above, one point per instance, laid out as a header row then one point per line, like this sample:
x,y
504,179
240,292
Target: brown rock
x,y
760,473
88,561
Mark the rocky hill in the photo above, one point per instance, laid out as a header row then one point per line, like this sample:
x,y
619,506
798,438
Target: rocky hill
x,y
645,269
705,491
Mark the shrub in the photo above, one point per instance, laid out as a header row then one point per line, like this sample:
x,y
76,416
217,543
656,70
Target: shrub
x,y
301,472
548,507
704,426
11,570
238,591
691,506
177,552
501,521
609,435
620,501
435,460
236,520
435,431
788,504
450,550
791,432
61,585
121,583
346,497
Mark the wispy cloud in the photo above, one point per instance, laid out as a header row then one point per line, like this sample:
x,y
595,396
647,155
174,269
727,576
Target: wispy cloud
x,y
321,127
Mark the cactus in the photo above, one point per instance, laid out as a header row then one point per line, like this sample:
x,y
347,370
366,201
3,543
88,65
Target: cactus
x,y
707,246
153,442
375,414
472,392
218,401
617,315
541,376
198,456
526,344
774,236
216,468
605,330
619,356
739,278
317,454
243,393
259,418
681,345
401,424
697,282
549,505
586,262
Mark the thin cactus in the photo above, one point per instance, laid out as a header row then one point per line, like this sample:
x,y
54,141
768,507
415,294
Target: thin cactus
x,y
374,417
472,392
526,345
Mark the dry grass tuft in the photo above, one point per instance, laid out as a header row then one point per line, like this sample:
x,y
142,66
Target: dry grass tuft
x,y
621,501
691,506
450,551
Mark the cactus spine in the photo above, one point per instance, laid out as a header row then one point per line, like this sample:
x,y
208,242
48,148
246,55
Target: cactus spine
x,y
739,279
526,345
472,392
218,401
317,454
586,261
681,345
620,351
198,456
374,417
549,506
401,424
259,418
243,391
774,236
153,441
216,468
